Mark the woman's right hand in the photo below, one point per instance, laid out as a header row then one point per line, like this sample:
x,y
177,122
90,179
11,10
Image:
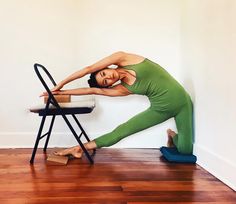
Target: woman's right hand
x,y
55,90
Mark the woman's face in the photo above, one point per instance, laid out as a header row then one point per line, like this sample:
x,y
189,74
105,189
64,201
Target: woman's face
x,y
107,77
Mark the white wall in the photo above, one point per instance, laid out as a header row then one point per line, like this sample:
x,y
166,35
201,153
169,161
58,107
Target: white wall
x,y
68,35
31,31
208,62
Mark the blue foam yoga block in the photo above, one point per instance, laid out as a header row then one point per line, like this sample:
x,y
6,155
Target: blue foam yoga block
x,y
172,155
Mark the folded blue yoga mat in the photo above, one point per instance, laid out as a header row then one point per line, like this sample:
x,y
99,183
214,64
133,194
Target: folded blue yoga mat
x,y
172,155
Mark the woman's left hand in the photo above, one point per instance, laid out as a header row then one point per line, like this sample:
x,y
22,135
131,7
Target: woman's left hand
x,y
53,92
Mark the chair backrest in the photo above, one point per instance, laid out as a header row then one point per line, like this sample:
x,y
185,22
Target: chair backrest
x,y
51,98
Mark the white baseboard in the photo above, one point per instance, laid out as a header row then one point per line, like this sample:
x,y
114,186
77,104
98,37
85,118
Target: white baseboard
x,y
66,139
218,166
27,139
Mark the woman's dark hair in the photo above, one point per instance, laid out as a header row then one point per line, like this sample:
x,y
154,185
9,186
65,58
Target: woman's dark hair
x,y
93,82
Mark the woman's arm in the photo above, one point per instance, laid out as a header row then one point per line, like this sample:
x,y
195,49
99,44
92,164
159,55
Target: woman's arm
x,y
115,58
117,90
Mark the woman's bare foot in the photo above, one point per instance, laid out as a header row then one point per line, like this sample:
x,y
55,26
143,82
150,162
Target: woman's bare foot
x,y
75,151
170,134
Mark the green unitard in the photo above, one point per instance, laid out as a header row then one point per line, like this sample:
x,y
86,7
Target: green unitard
x,y
167,98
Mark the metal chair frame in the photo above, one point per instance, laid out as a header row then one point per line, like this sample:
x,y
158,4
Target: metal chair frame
x,y
57,110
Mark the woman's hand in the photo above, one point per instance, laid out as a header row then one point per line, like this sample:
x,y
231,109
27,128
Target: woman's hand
x,y
53,92
58,87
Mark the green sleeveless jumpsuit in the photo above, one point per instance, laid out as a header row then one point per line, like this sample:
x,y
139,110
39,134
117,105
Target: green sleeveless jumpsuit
x,y
167,98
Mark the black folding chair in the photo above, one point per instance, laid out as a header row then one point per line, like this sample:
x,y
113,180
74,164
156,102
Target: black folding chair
x,y
53,108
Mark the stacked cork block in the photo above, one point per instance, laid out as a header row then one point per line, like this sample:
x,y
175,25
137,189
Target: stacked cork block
x,y
59,98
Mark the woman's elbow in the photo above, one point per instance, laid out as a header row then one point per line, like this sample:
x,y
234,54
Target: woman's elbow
x,y
119,54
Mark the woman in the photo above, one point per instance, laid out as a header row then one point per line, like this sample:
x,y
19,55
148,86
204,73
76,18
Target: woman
x,y
137,75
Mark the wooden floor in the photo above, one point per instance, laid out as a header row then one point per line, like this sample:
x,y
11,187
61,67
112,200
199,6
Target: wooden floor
x,y
133,176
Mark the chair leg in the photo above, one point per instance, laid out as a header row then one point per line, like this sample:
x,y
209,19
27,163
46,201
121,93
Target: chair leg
x,y
83,131
84,150
78,139
37,139
49,133
81,128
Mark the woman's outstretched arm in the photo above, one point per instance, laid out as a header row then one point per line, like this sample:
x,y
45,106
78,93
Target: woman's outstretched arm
x,y
115,58
117,90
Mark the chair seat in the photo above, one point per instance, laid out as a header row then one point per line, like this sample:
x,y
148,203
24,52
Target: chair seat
x,y
172,155
75,107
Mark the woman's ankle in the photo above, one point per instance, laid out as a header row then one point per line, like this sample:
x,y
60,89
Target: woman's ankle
x,y
90,145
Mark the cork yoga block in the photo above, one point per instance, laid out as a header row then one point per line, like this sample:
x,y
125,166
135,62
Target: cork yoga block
x,y
59,98
57,159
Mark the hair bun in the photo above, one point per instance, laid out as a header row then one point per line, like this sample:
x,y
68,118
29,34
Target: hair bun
x,y
91,83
